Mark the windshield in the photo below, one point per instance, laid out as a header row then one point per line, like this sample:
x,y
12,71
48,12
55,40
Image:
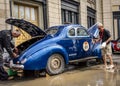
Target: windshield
x,y
52,30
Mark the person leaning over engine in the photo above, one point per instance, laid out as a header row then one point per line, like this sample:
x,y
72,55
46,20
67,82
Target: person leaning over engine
x,y
5,42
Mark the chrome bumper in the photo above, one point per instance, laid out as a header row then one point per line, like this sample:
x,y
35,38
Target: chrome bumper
x,y
14,66
17,66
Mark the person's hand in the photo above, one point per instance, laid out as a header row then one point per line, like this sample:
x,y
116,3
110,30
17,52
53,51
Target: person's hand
x,y
96,40
16,50
15,55
103,45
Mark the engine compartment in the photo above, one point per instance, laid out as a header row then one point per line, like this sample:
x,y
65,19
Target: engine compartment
x,y
23,46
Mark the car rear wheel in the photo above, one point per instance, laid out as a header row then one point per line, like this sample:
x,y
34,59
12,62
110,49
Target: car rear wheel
x,y
99,61
55,64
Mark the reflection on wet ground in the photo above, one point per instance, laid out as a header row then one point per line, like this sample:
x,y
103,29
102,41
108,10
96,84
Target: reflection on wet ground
x,y
81,76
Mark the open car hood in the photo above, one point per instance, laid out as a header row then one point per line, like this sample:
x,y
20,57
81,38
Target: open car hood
x,y
93,31
28,27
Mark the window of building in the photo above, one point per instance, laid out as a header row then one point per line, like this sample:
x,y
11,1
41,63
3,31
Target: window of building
x,y
116,24
91,16
28,11
70,11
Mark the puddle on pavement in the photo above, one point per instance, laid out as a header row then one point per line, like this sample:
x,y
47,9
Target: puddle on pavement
x,y
79,77
86,76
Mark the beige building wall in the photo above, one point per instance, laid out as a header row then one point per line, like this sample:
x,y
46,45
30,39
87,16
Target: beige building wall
x,y
4,13
107,15
115,8
115,2
54,12
115,5
99,13
104,10
83,13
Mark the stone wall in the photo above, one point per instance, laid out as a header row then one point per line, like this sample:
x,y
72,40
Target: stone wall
x,y
107,15
83,12
115,5
99,9
104,9
54,12
4,14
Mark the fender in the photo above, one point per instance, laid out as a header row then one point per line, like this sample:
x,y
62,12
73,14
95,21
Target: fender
x,y
41,57
96,50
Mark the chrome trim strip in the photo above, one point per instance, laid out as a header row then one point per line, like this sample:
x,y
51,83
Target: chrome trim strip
x,y
83,59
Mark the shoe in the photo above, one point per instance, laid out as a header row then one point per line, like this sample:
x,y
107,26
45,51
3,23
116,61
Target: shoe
x,y
107,67
7,78
111,70
10,78
4,79
111,66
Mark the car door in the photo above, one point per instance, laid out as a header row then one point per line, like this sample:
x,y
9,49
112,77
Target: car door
x,y
72,44
69,43
84,43
93,31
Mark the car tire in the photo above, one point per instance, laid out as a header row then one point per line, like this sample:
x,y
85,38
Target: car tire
x,y
55,64
99,61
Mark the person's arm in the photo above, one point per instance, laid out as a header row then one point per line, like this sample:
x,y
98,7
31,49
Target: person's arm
x,y
97,40
109,37
12,45
7,45
15,50
108,40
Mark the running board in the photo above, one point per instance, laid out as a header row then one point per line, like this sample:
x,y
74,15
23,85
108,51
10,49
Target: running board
x,y
83,59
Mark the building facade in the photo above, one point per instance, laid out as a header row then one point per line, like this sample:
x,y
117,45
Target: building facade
x,y
46,13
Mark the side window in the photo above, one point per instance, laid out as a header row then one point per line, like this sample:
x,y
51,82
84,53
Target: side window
x,y
81,32
71,32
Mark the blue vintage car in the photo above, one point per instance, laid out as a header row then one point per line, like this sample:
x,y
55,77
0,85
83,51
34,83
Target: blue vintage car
x,y
55,47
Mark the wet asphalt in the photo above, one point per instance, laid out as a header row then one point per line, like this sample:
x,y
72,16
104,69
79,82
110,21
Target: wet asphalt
x,y
92,74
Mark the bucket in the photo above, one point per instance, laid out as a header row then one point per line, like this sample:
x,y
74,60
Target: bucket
x,y
11,72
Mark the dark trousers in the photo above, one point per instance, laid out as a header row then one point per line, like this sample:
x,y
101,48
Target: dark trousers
x,y
3,73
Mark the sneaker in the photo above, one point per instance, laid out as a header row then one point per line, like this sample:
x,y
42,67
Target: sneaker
x,y
111,66
11,78
107,67
3,78
111,70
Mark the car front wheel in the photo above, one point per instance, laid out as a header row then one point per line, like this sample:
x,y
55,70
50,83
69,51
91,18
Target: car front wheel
x,y
55,64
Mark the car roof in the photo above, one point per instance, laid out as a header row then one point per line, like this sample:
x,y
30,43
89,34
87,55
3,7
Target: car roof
x,y
67,25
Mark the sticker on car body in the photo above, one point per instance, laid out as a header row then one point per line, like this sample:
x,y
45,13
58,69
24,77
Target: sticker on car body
x,y
85,46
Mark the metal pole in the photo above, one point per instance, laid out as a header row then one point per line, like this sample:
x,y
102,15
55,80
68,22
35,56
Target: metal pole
x,y
10,2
